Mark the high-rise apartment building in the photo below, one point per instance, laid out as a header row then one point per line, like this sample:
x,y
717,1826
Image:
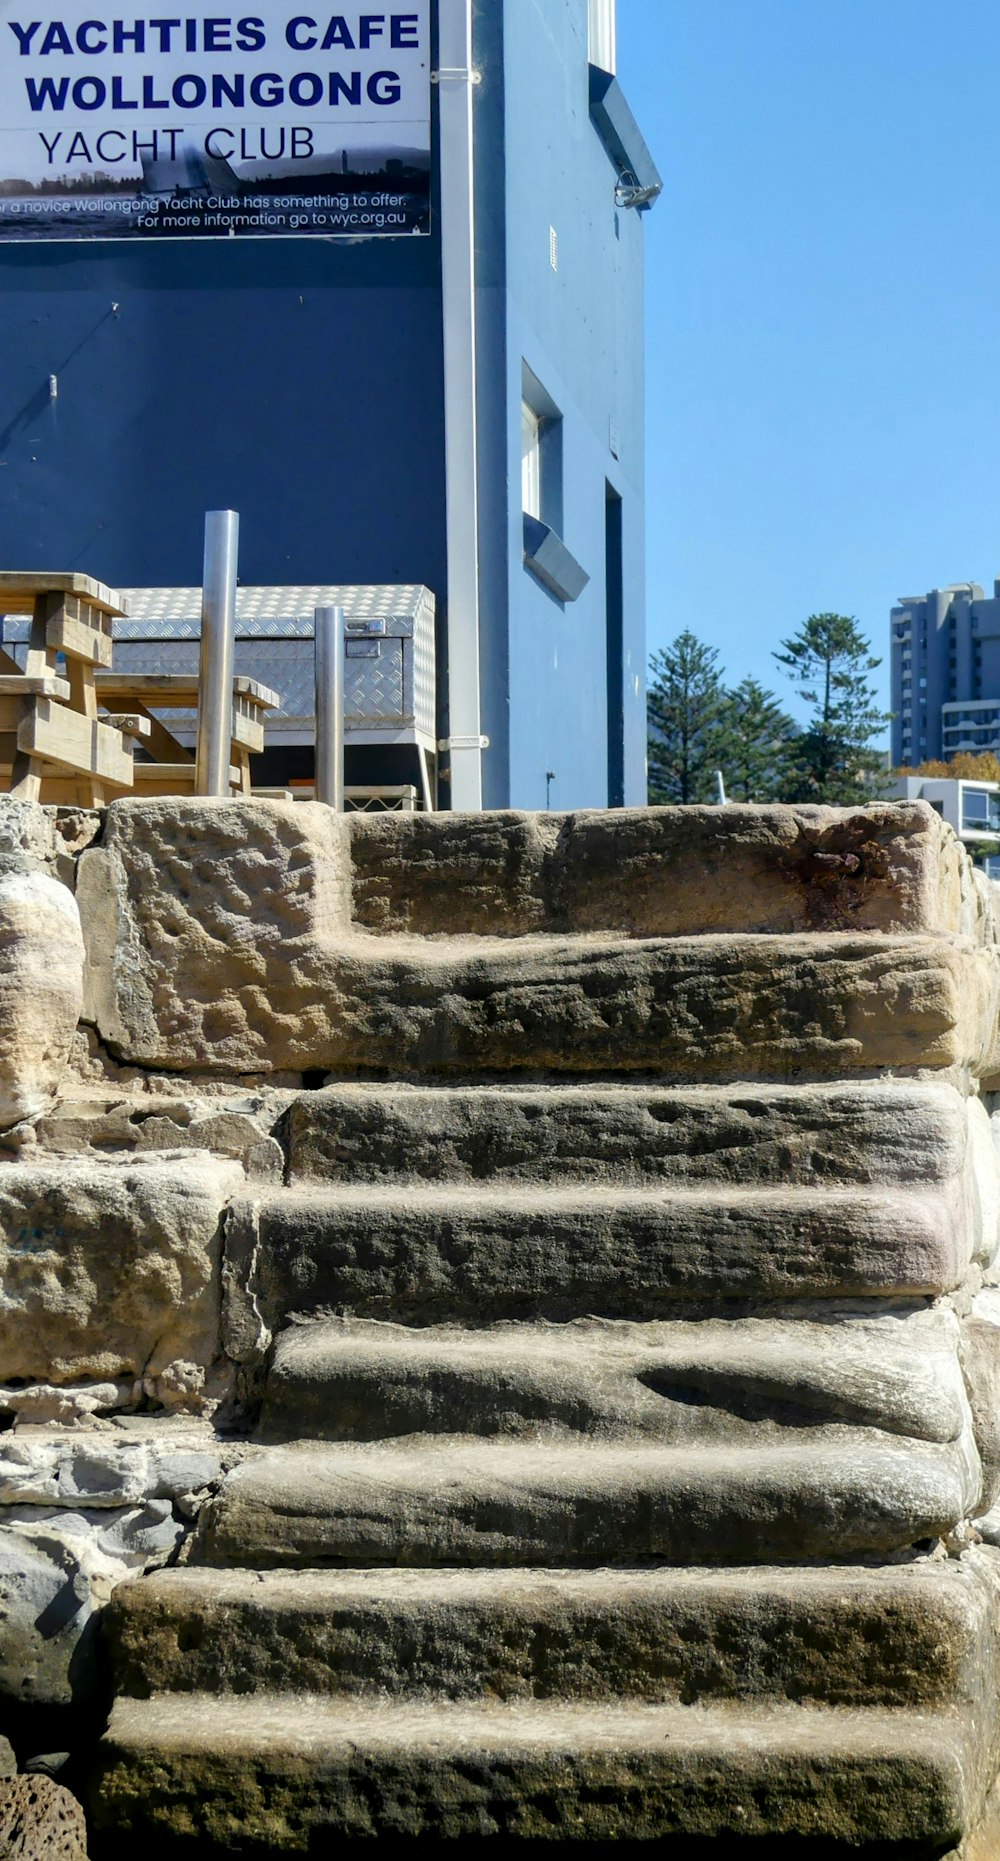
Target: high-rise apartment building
x,y
945,672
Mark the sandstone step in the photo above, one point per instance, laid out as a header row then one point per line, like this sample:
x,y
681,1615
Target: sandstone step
x,y
285,1774
819,1135
183,974
426,1252
455,1501
662,871
720,1381
919,1635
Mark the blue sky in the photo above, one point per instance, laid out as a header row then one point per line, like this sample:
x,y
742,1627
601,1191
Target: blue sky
x,y
823,310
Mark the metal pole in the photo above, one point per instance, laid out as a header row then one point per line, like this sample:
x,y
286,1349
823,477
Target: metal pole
x,y
329,632
456,81
215,667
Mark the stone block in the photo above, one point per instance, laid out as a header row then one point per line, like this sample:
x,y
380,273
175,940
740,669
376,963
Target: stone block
x,y
736,1381
109,1270
41,1821
654,872
700,1009
424,1254
58,1567
452,1500
920,1635
203,921
218,942
48,1467
41,989
180,1769
46,839
817,1136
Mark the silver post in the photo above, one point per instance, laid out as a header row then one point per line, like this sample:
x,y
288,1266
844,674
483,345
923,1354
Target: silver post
x,y
329,631
215,667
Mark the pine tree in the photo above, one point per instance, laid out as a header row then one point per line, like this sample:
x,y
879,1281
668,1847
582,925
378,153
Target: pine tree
x,y
685,703
833,759
755,734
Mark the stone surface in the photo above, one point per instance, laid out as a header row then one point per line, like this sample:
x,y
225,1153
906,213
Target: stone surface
x,y
218,941
180,1768
424,1254
707,1008
41,988
449,1500
46,1468
46,839
815,1135
40,1821
239,1127
72,1405
655,872
723,1382
618,1325
47,1607
109,1270
920,1635
80,1510
203,921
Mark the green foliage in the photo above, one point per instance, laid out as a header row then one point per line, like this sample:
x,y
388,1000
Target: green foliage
x,y
833,759
755,735
685,704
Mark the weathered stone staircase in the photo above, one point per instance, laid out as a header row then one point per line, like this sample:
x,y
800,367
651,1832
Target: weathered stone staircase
x,y
619,1395
519,1294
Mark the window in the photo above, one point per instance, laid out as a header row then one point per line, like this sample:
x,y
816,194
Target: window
x,y
531,461
980,811
541,453
602,34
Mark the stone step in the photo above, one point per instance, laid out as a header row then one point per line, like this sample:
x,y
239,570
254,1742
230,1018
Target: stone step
x,y
919,1635
181,978
663,871
421,1252
721,1381
638,1134
458,1501
283,1774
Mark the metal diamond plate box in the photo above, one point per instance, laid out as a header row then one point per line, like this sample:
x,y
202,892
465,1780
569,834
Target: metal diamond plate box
x,y
389,662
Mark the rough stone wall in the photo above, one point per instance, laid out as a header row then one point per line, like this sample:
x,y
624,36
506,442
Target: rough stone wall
x,y
546,1263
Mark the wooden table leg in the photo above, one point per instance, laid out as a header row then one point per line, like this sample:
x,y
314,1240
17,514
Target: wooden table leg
x,y
26,771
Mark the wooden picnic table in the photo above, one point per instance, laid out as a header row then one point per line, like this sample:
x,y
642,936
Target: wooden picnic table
x,y
49,724
171,767
52,731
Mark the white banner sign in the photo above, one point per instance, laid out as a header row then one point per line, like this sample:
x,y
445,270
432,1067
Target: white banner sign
x,y
213,124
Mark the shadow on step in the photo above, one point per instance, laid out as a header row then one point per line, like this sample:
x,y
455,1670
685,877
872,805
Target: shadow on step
x,y
678,1848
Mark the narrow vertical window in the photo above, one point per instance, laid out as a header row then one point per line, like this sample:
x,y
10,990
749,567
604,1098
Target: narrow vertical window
x,y
531,461
602,34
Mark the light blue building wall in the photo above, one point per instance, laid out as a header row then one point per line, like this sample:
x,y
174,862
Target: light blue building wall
x,y
572,302
301,382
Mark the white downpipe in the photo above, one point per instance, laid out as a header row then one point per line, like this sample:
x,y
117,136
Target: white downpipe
x,y
455,85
